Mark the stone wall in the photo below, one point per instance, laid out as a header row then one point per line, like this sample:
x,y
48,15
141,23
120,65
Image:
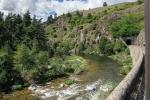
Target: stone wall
x,y
123,90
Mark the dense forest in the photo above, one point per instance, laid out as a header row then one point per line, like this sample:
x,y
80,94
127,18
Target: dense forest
x,y
32,51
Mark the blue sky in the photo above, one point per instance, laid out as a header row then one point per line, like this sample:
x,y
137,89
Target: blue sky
x,y
43,8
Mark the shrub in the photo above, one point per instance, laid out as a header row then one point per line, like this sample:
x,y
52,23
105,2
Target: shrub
x,y
70,82
69,15
81,47
140,1
30,62
3,78
119,46
23,58
42,58
5,66
125,70
79,14
89,16
105,46
127,26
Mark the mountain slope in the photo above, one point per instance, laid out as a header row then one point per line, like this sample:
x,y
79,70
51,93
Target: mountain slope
x,y
83,30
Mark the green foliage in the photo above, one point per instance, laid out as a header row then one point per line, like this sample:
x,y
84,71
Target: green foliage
x,y
64,47
70,82
5,57
50,19
69,15
3,78
127,26
125,60
79,14
65,66
5,66
42,58
140,1
29,61
24,51
89,16
119,46
81,47
105,46
23,58
110,47
125,69
27,19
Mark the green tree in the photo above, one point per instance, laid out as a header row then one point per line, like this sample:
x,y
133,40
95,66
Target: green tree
x,y
50,19
3,78
30,62
79,14
119,46
35,34
89,16
5,66
69,15
140,1
127,26
104,4
2,35
27,19
23,58
42,58
24,62
106,46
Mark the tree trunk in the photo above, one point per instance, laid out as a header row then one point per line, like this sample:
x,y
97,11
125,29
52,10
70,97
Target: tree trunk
x,y
147,52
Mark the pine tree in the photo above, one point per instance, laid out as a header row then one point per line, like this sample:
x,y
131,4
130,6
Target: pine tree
x,y
27,19
1,28
50,19
105,4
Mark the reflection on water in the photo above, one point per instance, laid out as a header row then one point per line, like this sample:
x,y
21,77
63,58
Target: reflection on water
x,y
96,82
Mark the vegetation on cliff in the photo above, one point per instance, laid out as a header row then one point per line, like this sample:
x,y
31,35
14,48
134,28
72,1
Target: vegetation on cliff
x,y
34,52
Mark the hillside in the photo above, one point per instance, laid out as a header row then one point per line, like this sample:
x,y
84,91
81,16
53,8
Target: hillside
x,y
87,27
33,52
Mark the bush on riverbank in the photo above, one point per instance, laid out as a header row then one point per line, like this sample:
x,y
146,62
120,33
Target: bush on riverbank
x,y
29,62
106,46
125,60
109,47
67,66
70,82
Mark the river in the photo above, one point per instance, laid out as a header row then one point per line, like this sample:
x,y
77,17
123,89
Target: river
x,y
101,76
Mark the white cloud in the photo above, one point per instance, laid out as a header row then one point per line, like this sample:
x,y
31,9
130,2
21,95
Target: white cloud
x,y
42,8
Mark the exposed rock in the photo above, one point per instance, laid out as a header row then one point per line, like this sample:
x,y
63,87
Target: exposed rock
x,y
61,85
140,39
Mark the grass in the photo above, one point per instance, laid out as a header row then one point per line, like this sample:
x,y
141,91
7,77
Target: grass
x,y
70,82
125,60
67,66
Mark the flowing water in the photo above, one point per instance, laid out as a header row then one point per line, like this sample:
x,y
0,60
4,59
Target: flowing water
x,y
95,83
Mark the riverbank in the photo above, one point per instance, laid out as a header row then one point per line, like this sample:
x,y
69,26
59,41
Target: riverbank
x,y
129,86
125,60
97,78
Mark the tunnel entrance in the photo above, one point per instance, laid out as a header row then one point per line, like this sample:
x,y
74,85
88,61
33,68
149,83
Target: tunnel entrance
x,y
128,41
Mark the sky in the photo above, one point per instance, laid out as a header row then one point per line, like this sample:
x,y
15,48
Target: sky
x,y
44,8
